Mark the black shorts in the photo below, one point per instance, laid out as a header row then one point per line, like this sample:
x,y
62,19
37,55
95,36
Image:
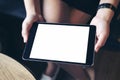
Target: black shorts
x,y
87,6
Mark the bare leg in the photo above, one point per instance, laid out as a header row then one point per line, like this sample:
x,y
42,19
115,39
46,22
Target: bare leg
x,y
54,14
52,10
51,69
75,17
51,13
78,17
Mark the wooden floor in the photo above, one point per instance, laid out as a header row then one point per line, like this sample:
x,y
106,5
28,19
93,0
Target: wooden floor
x,y
107,65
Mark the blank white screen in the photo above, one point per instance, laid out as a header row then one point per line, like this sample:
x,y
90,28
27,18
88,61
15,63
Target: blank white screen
x,y
60,43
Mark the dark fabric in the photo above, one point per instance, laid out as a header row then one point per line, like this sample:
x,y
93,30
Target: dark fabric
x,y
12,13
12,7
11,43
88,6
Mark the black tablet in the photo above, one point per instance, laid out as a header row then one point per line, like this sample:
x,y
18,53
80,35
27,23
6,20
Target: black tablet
x,y
67,43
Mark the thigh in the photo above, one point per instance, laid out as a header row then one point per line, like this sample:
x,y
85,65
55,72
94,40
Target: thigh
x,y
52,10
79,17
56,11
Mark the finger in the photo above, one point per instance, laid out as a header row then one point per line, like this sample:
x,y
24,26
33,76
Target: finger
x,y
25,36
100,42
25,30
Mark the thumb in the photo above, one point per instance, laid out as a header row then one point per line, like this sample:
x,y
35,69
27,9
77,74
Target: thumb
x,y
100,42
25,37
25,31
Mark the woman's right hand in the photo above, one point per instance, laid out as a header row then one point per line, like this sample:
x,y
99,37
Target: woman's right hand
x,y
27,24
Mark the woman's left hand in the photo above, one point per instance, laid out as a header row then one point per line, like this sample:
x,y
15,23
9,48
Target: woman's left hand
x,y
102,31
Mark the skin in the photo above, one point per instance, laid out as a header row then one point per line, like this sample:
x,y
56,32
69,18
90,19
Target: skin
x,y
103,16
102,21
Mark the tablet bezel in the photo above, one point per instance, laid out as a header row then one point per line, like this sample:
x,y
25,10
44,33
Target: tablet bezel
x,y
90,49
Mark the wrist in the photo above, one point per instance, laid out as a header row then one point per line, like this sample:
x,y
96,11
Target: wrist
x,y
105,14
33,15
106,11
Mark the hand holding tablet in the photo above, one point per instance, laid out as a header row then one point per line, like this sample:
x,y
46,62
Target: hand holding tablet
x,y
61,43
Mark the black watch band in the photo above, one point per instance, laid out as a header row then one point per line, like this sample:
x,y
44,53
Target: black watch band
x,y
107,5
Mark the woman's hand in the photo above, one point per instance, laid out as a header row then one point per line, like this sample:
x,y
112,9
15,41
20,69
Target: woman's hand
x,y
102,31
27,24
